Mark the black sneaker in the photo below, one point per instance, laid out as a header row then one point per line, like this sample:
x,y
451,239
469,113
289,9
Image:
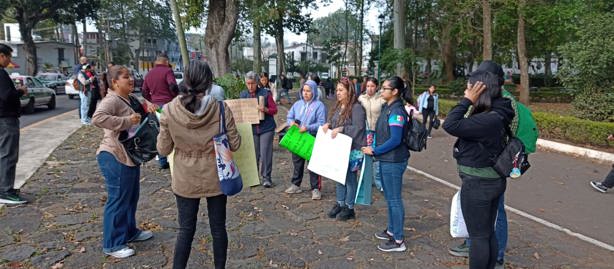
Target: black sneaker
x,y
599,187
384,235
11,199
346,214
267,184
392,246
334,211
461,250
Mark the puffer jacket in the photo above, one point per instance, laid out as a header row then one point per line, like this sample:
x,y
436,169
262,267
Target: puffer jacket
x,y
190,135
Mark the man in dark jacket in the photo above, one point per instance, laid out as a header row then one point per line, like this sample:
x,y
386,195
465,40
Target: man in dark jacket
x,y
160,87
9,130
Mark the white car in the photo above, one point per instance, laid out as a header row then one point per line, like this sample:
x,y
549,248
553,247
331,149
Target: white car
x,y
179,77
69,89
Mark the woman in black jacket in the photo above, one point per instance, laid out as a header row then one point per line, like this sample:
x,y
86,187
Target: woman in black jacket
x,y
479,121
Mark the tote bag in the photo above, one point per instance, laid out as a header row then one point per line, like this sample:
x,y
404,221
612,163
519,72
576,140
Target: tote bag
x,y
458,228
227,170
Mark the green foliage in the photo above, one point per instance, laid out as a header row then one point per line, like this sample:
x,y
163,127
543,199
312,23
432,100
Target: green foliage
x,y
595,105
553,126
231,84
392,57
445,106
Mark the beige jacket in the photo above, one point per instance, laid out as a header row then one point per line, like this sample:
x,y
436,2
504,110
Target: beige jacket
x,y
373,107
191,136
113,115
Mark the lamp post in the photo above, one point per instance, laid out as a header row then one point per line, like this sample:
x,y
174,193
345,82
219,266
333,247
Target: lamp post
x,y
379,47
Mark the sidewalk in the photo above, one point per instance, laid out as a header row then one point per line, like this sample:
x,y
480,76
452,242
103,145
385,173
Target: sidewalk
x,y
267,228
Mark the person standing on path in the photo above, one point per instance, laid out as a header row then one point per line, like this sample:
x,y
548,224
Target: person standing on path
x,y
349,119
263,131
608,182
160,87
428,105
187,126
308,114
116,117
392,155
87,80
372,102
9,130
481,137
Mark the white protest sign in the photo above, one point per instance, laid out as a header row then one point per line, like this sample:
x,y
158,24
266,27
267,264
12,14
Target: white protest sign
x,y
330,157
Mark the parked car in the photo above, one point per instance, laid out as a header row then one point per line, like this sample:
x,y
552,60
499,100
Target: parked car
x,y
138,80
179,77
69,89
38,94
53,81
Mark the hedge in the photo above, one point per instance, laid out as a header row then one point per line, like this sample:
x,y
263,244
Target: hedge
x,y
566,128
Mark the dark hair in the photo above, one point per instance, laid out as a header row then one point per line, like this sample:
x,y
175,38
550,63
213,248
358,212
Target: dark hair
x,y
198,79
161,57
263,74
314,77
114,73
399,84
104,86
352,98
6,50
372,79
492,91
492,67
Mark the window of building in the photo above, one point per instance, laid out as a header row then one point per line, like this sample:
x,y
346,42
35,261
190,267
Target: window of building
x,y
303,56
8,34
315,55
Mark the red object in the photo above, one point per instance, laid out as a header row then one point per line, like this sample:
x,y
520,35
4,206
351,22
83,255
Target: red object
x,y
156,87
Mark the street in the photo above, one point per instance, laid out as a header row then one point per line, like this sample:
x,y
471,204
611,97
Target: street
x,y
63,104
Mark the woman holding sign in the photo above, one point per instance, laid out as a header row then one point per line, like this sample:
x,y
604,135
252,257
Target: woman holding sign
x,y
348,119
392,155
308,114
265,130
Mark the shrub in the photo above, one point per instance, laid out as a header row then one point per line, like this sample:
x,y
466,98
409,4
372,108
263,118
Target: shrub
x,y
231,84
553,126
598,106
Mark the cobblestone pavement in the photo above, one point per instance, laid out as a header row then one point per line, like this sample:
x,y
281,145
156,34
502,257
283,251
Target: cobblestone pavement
x,y
267,228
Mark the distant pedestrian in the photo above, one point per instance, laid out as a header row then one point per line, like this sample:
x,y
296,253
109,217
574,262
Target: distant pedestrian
x,y
263,131
372,102
87,80
428,105
160,87
393,156
95,94
77,68
481,135
265,83
286,86
608,182
187,126
308,114
349,119
9,130
117,115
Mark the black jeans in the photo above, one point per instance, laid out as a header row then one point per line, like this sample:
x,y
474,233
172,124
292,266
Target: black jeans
x,y
94,98
608,182
187,208
479,202
297,175
428,114
9,152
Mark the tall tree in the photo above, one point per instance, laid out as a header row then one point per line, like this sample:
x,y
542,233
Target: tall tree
x,y
522,54
180,34
399,15
487,28
221,24
78,11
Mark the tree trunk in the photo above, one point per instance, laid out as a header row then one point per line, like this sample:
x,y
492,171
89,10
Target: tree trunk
x,y
221,24
75,38
360,32
399,33
548,69
180,34
279,43
84,38
447,51
257,48
522,55
487,28
29,47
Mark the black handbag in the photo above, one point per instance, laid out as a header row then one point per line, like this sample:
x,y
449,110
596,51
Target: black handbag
x,y
436,122
140,142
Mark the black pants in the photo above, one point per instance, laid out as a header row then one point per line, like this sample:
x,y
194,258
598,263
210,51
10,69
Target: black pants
x,y
428,114
9,152
479,202
297,176
94,98
608,182
187,209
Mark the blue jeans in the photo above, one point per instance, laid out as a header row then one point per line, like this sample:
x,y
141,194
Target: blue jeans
x,y
119,222
377,175
84,107
392,180
346,194
500,230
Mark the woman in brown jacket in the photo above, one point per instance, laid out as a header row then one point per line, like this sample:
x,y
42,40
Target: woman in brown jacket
x,y
187,125
121,174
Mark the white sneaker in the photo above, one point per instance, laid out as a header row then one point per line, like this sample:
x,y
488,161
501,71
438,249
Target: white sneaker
x,y
293,189
316,194
122,253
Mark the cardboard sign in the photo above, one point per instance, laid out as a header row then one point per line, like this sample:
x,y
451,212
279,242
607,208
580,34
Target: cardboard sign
x,y
298,143
245,157
330,157
244,110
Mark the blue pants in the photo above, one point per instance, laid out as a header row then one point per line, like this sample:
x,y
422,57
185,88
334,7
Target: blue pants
x,y
500,230
84,107
119,222
392,180
346,194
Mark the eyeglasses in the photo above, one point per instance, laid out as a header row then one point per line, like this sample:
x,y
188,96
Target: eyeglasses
x,y
387,89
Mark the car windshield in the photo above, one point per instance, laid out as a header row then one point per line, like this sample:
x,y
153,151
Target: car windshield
x,y
47,77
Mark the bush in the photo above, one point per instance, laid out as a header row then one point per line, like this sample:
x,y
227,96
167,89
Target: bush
x,y
538,80
445,106
597,106
553,126
232,85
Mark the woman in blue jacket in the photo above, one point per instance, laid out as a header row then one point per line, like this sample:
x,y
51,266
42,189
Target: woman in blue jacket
x,y
308,114
392,155
428,105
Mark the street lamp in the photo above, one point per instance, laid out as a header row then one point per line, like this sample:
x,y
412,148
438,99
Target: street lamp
x,y
380,19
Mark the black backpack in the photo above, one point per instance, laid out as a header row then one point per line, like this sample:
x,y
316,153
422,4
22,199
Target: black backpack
x,y
141,146
415,135
513,161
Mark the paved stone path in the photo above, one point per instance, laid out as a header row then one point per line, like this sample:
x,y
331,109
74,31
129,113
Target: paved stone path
x,y
267,228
